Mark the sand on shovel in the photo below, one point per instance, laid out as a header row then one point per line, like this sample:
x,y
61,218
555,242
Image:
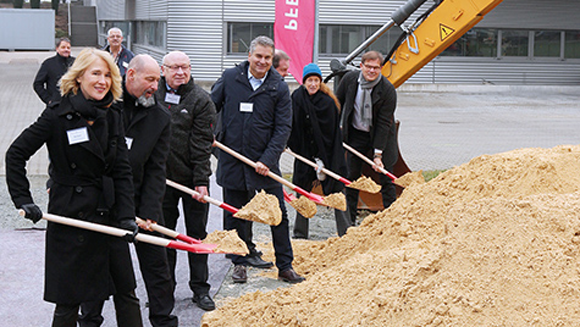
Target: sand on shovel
x,y
415,177
304,206
263,208
335,200
227,241
365,184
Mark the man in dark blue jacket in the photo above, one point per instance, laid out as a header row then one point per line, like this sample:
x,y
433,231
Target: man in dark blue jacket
x,y
256,119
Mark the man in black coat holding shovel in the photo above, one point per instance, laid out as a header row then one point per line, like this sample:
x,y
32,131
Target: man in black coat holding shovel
x,y
147,135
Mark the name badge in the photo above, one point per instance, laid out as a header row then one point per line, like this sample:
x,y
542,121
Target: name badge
x,y
78,135
129,142
246,107
172,98
125,64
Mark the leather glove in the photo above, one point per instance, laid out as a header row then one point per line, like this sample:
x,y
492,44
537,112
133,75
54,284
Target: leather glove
x,y
131,225
319,174
32,212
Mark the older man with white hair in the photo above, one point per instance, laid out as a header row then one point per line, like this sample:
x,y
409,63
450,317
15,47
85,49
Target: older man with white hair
x,y
120,53
192,116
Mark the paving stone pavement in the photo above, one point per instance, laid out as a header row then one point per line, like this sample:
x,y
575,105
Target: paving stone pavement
x,y
441,126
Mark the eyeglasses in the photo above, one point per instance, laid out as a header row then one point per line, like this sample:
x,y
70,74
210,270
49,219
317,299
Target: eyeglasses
x,y
372,67
177,67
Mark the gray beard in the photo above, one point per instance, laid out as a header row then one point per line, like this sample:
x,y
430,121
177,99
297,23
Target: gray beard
x,y
146,101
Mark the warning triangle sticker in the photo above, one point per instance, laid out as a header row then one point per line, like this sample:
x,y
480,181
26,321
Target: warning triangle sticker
x,y
445,31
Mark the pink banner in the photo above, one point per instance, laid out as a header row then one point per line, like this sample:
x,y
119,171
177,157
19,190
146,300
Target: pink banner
x,y
294,32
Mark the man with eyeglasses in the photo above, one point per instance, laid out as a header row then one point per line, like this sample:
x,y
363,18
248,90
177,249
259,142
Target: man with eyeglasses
x,y
121,55
192,117
368,102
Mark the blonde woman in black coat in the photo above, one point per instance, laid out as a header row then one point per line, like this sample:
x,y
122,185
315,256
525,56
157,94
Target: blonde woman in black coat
x,y
90,180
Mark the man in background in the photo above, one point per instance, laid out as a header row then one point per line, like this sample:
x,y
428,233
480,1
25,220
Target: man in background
x,y
281,62
121,55
46,81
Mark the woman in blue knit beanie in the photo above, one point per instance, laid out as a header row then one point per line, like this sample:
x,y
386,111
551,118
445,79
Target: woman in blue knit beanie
x,y
316,135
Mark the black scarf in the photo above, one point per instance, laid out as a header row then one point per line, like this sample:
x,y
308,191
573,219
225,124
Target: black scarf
x,y
321,127
95,112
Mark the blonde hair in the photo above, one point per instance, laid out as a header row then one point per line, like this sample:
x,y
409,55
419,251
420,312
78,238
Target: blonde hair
x,y
325,89
69,83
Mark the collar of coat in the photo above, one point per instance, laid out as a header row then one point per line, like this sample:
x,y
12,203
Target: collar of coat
x,y
181,90
272,74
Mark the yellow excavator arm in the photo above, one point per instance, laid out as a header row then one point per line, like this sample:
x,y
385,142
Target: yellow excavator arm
x,y
447,23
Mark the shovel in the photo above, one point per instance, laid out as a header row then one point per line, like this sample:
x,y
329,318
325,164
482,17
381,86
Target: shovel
x,y
193,248
311,196
169,232
369,161
271,218
213,201
326,171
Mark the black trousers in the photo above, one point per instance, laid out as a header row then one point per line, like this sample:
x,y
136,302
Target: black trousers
x,y
196,214
301,224
280,233
158,282
127,312
361,141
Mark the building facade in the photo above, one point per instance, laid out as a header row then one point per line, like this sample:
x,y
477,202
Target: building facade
x,y
520,42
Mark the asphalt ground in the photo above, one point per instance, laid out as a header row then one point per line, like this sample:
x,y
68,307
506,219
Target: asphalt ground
x,y
441,126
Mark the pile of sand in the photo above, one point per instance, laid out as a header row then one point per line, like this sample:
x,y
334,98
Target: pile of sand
x,y
494,242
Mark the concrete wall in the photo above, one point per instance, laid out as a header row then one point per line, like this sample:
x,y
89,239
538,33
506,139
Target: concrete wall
x,y
27,29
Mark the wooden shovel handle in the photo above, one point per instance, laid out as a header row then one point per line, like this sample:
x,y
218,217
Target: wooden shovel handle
x,y
119,232
208,199
253,165
315,166
369,161
169,232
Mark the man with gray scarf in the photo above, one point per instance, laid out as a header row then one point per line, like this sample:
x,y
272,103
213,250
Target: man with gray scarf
x,y
368,102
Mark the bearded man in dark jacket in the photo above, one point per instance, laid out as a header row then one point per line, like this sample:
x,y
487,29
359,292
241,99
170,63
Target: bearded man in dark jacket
x,y
147,135
46,81
192,117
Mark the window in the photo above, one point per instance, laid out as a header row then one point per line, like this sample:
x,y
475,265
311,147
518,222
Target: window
x,y
150,33
547,44
343,39
572,44
334,39
477,42
514,43
241,34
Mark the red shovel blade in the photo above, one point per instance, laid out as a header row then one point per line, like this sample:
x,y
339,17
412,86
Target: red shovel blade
x,y
311,196
188,239
194,248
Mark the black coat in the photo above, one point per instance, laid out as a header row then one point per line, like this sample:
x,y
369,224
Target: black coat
x,y
47,77
192,120
148,133
316,134
384,98
88,178
260,135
